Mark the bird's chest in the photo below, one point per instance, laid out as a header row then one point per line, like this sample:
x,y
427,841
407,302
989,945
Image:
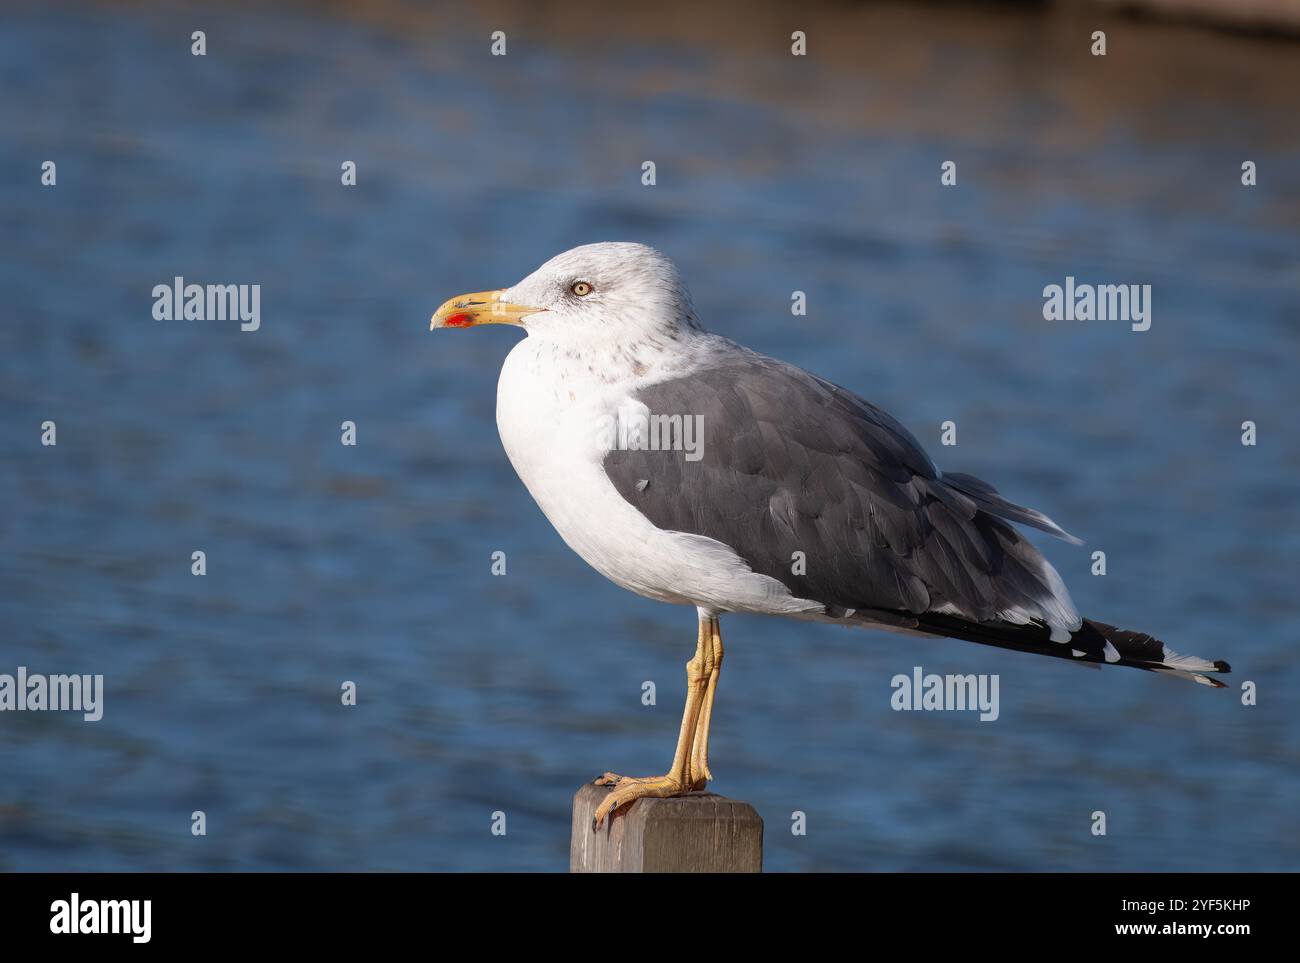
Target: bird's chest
x,y
553,418
555,425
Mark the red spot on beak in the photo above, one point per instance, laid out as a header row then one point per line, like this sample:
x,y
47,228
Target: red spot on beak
x,y
458,321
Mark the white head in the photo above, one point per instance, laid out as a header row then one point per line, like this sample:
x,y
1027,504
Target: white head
x,y
614,291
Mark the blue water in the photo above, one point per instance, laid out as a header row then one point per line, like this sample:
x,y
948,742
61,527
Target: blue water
x,y
480,693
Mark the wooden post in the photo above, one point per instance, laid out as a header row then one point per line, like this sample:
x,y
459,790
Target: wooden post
x,y
699,833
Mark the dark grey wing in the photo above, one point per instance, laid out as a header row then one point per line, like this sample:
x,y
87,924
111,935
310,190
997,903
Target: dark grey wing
x,y
791,463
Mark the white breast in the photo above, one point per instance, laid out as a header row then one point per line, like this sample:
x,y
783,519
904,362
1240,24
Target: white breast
x,y
552,413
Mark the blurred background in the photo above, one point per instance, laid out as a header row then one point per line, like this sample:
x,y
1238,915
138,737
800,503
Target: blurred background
x,y
775,173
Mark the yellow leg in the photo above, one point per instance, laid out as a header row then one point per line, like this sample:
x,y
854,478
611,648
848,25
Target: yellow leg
x,y
699,773
675,782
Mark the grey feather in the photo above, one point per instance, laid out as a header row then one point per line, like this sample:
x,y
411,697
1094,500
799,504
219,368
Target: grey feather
x,y
792,463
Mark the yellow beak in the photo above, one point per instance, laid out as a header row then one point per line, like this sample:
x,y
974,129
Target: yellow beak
x,y
482,307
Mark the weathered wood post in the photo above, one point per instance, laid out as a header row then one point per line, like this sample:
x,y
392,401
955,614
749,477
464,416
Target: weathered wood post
x,y
698,833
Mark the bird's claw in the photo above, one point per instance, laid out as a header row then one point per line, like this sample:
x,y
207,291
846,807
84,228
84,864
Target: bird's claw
x,y
628,789
614,779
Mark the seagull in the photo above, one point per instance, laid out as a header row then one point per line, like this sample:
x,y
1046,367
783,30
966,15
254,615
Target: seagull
x,y
689,469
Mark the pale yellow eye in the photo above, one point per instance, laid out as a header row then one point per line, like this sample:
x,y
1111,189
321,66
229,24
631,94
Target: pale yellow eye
x,y
581,288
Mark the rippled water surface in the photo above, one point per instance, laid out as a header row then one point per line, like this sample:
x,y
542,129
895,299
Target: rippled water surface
x,y
481,693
